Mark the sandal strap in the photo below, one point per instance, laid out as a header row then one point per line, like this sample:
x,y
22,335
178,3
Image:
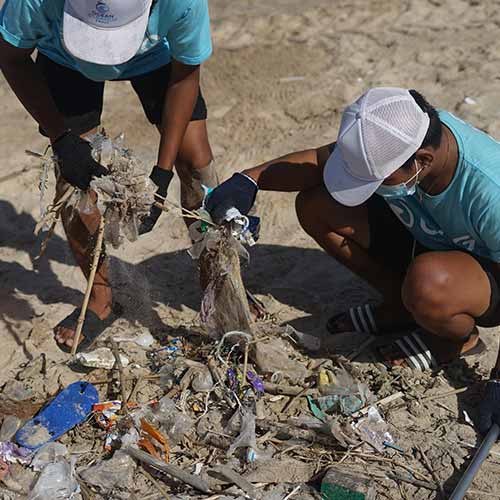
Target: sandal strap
x,y
418,355
363,320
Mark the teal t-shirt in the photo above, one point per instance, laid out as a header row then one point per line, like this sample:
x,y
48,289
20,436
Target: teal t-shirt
x,y
466,215
178,29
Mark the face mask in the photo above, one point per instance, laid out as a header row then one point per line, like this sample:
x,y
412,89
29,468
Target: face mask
x,y
400,190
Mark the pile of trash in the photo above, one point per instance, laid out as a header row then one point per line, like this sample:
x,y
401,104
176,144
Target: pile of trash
x,y
247,417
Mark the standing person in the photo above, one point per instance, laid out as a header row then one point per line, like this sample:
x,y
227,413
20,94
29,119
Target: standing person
x,y
157,45
408,198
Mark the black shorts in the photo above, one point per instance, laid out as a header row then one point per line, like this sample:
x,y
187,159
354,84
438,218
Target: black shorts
x,y
394,247
80,100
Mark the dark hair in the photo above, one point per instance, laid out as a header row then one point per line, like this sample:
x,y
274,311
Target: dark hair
x,y
435,130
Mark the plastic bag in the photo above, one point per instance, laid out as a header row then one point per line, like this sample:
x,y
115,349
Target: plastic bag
x,y
202,380
108,474
10,426
56,482
47,454
374,429
246,437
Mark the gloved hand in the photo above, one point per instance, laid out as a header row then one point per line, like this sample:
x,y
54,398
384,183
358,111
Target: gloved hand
x,y
489,408
239,192
161,178
76,165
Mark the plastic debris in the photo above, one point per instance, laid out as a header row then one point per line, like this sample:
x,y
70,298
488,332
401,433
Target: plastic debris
x,y
246,437
144,340
12,453
374,429
272,357
69,408
10,426
100,358
126,194
118,471
337,484
202,380
56,482
48,454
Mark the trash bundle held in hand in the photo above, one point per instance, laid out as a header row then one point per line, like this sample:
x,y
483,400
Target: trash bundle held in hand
x,y
126,194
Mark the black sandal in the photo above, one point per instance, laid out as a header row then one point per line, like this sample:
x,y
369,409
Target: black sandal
x,y
363,321
93,326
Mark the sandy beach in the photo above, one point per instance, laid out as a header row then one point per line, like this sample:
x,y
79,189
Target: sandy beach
x,y
281,73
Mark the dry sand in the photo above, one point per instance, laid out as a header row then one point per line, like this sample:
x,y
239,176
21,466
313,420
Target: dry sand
x,y
279,77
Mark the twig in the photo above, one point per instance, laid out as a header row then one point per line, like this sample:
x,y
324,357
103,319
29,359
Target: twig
x,y
8,177
118,364
156,484
134,389
293,399
415,482
290,495
90,284
380,402
236,479
432,471
245,366
103,381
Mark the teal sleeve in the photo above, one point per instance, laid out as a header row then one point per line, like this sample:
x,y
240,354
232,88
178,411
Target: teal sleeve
x,y
189,37
23,23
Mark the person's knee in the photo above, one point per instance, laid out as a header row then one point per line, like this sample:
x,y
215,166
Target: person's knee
x,y
195,161
306,210
426,288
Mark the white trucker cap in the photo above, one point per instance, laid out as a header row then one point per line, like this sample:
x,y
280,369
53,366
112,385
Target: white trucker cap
x,y
378,133
105,31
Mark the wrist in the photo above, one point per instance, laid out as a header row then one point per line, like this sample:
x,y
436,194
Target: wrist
x,y
251,176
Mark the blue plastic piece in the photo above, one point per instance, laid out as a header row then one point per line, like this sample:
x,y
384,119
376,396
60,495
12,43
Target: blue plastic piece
x,y
69,408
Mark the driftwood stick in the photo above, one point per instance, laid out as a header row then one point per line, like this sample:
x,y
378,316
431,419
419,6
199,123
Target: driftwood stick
x,y
118,364
170,469
90,284
236,479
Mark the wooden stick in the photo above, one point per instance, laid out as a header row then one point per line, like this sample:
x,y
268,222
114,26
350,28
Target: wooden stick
x,y
156,484
245,366
235,478
90,284
118,363
170,469
432,471
380,402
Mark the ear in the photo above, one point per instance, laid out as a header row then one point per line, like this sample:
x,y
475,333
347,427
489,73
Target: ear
x,y
425,157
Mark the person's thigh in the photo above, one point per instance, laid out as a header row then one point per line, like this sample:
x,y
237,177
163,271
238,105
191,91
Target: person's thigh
x,y
76,97
446,284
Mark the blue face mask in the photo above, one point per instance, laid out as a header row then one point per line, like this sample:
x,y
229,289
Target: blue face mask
x,y
400,190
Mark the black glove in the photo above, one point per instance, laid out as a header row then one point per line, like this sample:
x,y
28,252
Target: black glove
x,y
239,192
489,408
74,156
161,179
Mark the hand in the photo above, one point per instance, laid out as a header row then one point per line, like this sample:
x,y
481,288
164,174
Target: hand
x,y
489,408
76,164
161,178
239,192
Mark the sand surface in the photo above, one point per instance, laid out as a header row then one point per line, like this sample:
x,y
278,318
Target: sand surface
x,y
279,77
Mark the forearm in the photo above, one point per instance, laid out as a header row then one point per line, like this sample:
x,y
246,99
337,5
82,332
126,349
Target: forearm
x,y
293,172
178,108
30,87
